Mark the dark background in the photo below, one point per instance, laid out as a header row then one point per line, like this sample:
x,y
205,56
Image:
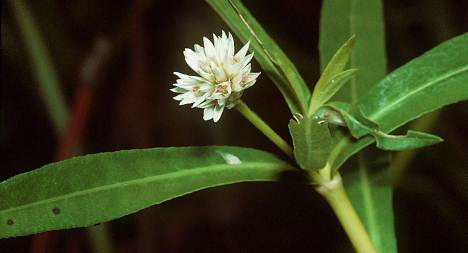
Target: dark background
x,y
132,107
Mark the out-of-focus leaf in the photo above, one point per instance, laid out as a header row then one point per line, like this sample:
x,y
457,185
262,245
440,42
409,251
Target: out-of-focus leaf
x,y
95,188
268,54
341,19
41,62
312,142
369,190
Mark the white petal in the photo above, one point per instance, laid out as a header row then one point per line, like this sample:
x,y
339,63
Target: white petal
x,y
185,83
179,97
236,82
219,74
180,75
199,50
223,47
206,104
205,87
253,76
186,101
178,90
230,49
186,98
246,60
184,76
199,100
189,79
210,50
248,84
208,113
223,36
192,59
218,110
241,54
246,69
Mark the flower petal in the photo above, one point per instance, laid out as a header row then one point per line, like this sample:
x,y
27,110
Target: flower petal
x,y
210,50
218,111
192,59
241,54
208,113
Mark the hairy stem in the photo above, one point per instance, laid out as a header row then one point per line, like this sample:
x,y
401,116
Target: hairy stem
x,y
264,128
333,191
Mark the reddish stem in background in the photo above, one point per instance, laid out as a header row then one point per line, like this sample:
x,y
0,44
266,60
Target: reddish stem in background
x,y
76,124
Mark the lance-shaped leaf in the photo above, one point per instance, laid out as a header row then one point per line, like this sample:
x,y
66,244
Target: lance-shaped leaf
x,y
333,77
331,88
267,53
360,126
312,142
437,78
95,188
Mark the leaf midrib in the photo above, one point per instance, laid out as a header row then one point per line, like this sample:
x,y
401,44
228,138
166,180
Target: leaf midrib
x,y
378,114
179,173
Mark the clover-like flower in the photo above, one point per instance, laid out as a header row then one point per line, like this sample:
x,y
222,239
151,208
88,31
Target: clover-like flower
x,y
223,76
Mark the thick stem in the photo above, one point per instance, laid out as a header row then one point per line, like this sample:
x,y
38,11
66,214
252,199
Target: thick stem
x,y
333,191
264,128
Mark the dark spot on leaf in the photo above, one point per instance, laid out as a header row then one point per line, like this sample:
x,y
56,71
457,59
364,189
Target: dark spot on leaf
x,y
10,222
56,210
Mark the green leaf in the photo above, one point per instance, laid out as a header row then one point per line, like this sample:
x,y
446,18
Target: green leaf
x,y
95,188
333,86
359,126
341,19
312,143
437,78
368,183
329,84
268,54
412,140
371,195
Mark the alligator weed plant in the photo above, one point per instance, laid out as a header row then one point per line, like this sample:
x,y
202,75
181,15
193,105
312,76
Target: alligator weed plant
x,y
353,105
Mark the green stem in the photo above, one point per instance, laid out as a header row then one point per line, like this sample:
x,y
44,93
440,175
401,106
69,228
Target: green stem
x,y
333,191
264,128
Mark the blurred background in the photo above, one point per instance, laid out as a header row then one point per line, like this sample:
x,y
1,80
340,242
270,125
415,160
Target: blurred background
x,y
113,61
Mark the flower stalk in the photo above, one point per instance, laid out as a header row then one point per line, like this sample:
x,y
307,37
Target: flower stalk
x,y
264,128
333,191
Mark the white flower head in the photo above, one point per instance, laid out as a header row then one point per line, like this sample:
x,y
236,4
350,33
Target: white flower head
x,y
223,76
